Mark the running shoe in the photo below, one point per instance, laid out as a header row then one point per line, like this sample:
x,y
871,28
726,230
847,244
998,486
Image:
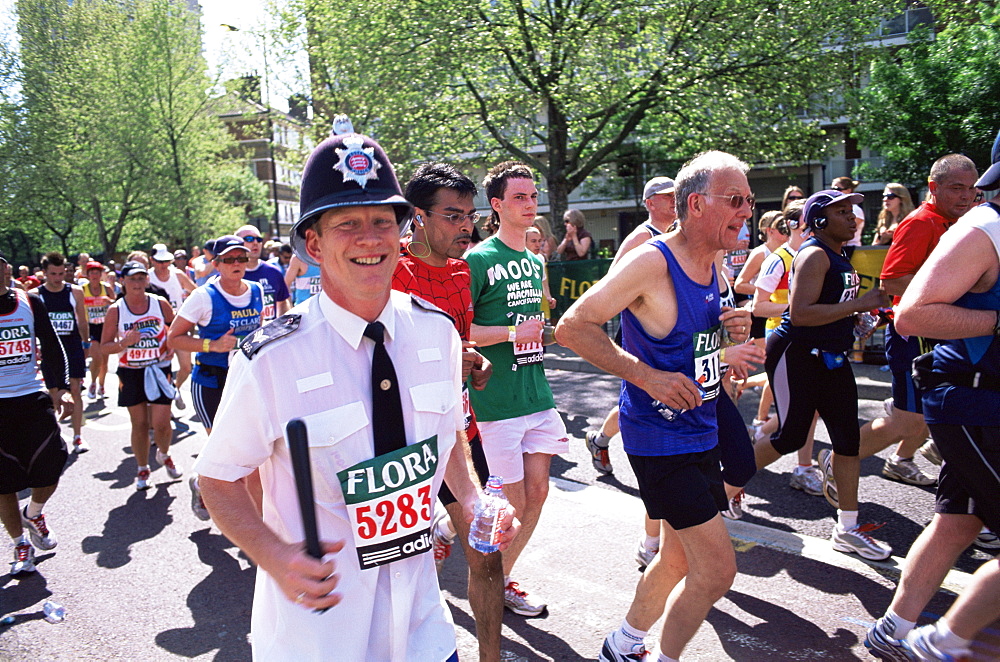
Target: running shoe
x,y
79,445
168,463
179,400
142,481
40,534
888,405
100,391
197,503
599,454
987,540
825,459
644,556
609,652
24,558
906,471
931,453
519,601
858,541
735,510
92,391
881,644
807,481
920,646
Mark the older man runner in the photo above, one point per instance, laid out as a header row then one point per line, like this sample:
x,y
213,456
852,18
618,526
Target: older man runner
x,y
380,445
670,366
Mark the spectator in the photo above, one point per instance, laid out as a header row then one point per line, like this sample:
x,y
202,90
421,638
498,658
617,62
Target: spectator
x,y
792,193
549,243
577,242
896,205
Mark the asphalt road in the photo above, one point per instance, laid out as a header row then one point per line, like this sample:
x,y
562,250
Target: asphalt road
x,y
141,577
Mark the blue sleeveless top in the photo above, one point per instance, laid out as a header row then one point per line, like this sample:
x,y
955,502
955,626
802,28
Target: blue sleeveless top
x,y
692,348
840,283
226,316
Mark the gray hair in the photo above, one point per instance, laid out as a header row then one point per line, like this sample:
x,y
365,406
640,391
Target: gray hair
x,y
696,176
951,162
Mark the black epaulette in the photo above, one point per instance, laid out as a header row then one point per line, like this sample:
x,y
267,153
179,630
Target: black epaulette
x,y
430,307
278,328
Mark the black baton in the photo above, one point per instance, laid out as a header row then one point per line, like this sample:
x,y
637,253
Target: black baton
x,y
298,448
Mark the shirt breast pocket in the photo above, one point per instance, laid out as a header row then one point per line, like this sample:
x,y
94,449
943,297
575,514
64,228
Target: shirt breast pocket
x,y
338,439
431,401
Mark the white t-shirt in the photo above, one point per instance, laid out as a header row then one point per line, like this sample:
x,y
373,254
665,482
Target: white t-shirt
x,y
197,308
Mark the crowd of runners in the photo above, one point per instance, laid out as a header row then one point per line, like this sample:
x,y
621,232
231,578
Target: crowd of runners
x,y
360,288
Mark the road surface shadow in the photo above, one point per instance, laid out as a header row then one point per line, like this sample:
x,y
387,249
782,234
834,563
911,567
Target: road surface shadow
x,y
220,605
19,593
141,518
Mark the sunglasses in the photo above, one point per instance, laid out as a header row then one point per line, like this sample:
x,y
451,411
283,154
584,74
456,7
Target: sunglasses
x,y
796,197
250,240
736,201
232,260
889,196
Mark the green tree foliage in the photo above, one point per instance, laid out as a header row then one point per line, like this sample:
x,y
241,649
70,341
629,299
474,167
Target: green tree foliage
x,y
936,95
108,136
568,85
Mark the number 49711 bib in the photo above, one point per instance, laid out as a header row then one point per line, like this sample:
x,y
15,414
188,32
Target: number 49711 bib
x,y
390,503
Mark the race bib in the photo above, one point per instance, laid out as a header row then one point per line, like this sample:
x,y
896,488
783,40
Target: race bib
x,y
390,504
143,353
62,322
314,285
15,346
466,406
527,353
707,364
268,313
851,286
96,314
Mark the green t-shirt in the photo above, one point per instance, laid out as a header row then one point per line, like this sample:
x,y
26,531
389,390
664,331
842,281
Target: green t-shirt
x,y
506,290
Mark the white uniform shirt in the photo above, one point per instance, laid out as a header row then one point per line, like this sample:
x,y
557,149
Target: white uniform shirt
x,y
321,373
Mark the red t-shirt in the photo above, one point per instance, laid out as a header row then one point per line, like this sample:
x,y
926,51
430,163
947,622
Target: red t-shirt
x,y
450,289
912,243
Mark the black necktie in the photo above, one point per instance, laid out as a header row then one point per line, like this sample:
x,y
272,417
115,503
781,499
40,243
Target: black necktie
x,y
387,412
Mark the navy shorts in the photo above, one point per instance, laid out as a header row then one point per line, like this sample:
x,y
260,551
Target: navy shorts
x,y
969,482
685,490
75,356
95,332
899,353
735,447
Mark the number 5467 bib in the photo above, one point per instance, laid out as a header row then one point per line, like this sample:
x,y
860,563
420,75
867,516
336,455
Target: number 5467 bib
x,y
390,503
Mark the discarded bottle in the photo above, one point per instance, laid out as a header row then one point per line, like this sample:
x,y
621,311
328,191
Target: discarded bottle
x,y
54,612
484,535
864,324
671,414
7,620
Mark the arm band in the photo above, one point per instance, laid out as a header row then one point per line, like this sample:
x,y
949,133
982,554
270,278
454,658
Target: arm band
x,y
204,345
511,333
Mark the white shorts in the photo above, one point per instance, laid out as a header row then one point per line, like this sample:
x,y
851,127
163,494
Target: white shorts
x,y
504,442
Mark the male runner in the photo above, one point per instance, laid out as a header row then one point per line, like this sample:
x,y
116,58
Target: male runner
x,y
955,297
276,297
177,286
32,454
517,418
952,192
430,267
669,362
68,314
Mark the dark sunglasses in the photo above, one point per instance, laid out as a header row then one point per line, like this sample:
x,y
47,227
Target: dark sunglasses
x,y
232,260
889,196
796,197
250,240
735,201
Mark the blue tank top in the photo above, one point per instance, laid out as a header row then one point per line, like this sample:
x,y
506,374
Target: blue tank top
x,y
840,283
307,284
226,316
691,348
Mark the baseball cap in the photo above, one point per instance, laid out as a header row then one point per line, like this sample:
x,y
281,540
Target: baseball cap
x,y
821,199
94,265
161,254
133,267
990,181
347,170
657,185
228,243
180,252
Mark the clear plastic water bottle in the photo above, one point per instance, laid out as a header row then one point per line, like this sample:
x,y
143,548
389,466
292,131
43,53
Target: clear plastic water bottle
x,y
864,323
484,535
54,612
671,414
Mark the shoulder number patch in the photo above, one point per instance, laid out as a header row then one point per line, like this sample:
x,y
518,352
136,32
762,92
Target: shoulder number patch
x,y
273,330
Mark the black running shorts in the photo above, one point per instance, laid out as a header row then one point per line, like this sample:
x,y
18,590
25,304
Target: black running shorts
x,y
32,453
969,482
685,490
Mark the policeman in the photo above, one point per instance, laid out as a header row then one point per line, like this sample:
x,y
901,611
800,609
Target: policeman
x,y
374,483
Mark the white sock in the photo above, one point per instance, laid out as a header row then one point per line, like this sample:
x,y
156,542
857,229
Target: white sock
x,y
626,637
802,469
144,467
901,626
897,458
652,543
506,580
445,529
602,439
34,509
21,539
848,519
663,658
948,642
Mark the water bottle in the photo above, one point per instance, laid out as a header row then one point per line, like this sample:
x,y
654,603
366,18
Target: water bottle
x,y
484,535
54,612
671,414
864,323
